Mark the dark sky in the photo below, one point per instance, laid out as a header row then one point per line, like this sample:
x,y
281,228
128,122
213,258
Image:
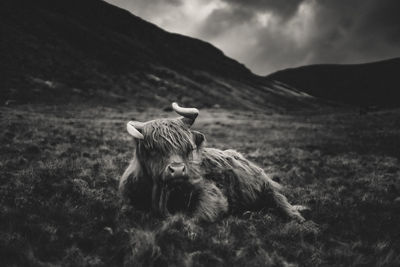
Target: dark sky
x,y
268,35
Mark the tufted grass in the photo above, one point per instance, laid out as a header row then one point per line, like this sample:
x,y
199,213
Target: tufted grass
x,y
59,167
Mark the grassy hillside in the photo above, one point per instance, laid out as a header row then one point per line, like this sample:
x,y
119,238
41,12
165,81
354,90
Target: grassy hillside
x,y
375,83
72,50
59,167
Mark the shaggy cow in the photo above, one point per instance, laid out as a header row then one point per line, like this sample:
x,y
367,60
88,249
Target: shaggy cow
x,y
172,171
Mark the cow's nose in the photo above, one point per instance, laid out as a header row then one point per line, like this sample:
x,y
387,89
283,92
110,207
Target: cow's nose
x,y
176,170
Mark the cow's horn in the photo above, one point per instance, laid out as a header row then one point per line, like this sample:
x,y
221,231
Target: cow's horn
x,y
189,114
133,128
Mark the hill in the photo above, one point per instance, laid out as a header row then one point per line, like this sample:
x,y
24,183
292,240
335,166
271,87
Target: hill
x,y
69,50
375,83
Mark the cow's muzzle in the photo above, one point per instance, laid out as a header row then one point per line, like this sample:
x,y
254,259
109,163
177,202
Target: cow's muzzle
x,y
176,172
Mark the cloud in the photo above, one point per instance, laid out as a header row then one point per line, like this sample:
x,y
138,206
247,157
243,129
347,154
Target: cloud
x,y
356,31
283,8
173,15
268,35
264,38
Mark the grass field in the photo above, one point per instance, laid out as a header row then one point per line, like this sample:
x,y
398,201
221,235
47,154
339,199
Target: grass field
x,y
59,168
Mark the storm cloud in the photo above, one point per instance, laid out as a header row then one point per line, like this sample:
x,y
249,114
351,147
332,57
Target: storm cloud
x,y
268,35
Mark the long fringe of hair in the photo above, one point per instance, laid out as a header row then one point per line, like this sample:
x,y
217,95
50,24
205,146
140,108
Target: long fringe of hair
x,y
166,136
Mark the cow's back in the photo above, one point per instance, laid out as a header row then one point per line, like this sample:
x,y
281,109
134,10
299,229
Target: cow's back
x,y
244,183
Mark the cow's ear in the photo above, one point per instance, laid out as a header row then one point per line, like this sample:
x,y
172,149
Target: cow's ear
x,y
198,138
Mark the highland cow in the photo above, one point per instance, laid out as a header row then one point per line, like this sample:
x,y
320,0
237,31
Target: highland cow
x,y
171,171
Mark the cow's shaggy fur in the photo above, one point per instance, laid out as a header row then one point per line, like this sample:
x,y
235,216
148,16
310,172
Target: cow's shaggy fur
x,y
219,181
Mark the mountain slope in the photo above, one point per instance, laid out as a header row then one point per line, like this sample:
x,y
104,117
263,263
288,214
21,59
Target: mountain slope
x,y
375,83
69,49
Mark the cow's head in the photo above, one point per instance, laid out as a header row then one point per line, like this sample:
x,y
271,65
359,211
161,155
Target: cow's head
x,y
167,149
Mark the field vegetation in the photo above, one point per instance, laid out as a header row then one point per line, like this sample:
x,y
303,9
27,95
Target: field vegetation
x,y
59,170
